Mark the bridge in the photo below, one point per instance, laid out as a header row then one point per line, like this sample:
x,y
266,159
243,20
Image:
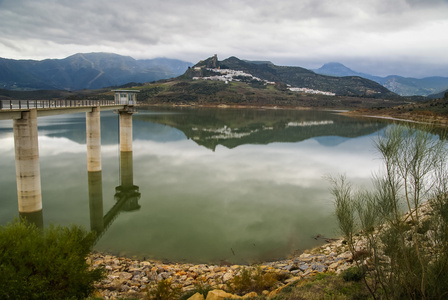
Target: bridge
x,y
24,114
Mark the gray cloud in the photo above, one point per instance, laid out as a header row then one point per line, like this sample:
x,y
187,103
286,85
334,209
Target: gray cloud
x,y
366,35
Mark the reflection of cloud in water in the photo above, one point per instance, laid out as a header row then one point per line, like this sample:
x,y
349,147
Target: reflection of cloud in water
x,y
298,163
49,146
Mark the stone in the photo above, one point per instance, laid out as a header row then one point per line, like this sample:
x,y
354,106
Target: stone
x,y
303,267
220,294
292,279
227,277
333,266
318,267
274,293
125,275
250,295
346,255
196,296
124,288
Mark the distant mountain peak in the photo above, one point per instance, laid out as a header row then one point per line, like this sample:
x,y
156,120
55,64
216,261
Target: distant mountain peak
x,y
334,64
397,84
336,69
85,71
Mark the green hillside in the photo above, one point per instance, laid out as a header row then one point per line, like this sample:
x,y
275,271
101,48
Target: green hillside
x,y
205,92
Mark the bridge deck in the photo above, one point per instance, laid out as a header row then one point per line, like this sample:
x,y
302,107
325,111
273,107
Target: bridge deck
x,y
12,109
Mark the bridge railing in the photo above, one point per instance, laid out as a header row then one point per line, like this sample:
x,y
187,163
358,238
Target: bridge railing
x,y
27,104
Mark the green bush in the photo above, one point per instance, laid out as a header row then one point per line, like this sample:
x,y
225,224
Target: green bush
x,y
353,274
201,287
45,264
252,280
164,290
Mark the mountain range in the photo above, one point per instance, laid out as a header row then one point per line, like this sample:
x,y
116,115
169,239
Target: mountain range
x,y
99,70
403,86
85,71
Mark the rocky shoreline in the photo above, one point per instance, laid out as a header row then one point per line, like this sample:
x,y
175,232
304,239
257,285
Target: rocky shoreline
x,y
128,278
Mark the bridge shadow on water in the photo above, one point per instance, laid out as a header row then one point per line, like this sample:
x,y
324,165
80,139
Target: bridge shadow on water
x,y
126,196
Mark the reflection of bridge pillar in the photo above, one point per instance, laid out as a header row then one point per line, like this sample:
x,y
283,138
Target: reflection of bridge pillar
x,y
125,131
126,169
27,164
96,201
93,136
127,193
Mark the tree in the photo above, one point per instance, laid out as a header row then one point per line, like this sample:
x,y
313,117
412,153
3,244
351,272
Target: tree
x,y
45,264
406,253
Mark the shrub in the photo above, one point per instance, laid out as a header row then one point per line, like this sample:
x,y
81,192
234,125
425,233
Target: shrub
x,y
164,290
405,260
45,264
252,280
201,287
353,274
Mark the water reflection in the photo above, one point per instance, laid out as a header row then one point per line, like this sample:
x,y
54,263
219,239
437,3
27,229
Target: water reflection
x,y
126,196
259,195
232,128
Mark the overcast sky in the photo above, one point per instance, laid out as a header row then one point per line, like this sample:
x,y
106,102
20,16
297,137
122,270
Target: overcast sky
x,y
380,37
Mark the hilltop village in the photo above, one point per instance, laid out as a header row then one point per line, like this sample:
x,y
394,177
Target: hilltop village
x,y
228,75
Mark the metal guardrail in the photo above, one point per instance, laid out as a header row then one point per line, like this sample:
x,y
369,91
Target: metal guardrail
x,y
28,104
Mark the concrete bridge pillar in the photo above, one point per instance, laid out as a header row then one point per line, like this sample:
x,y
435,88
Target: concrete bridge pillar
x,y
125,131
27,163
93,136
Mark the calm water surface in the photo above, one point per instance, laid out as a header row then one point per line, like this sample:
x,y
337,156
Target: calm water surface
x,y
215,185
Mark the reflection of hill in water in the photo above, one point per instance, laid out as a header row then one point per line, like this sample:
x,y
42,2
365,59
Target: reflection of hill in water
x,y
331,141
231,127
213,127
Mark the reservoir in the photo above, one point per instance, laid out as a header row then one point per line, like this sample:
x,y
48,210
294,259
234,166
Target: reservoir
x,y
214,185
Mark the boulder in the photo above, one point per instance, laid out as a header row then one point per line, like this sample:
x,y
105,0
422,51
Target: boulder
x,y
227,277
250,295
196,296
220,294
